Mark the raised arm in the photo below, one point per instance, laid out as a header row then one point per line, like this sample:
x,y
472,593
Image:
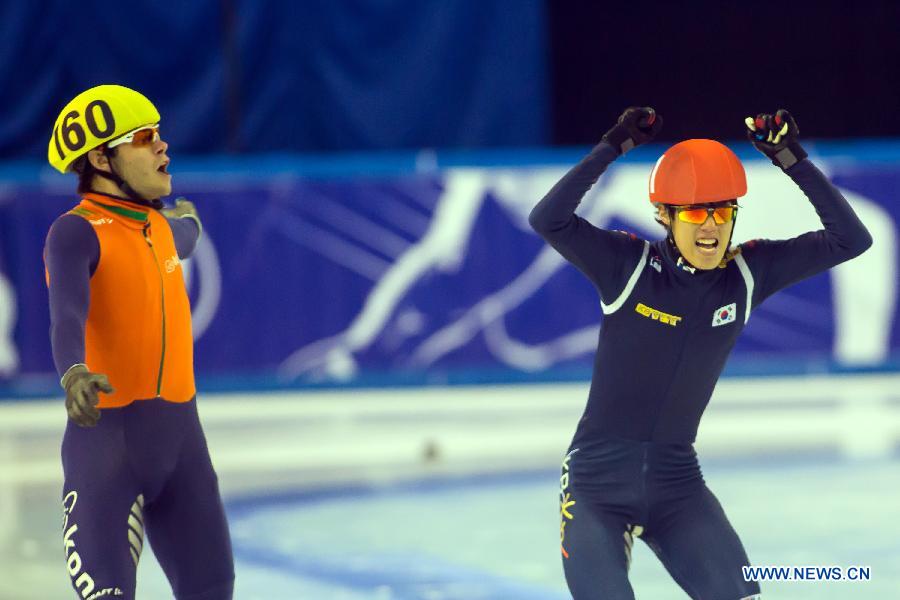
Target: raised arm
x,y
780,263
603,256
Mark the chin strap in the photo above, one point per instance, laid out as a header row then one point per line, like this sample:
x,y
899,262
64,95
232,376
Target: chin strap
x,y
130,193
680,261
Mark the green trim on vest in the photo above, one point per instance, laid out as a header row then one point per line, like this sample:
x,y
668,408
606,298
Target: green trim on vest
x,y
123,212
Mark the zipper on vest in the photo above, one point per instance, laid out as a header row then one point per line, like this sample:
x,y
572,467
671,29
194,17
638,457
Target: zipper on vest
x,y
162,291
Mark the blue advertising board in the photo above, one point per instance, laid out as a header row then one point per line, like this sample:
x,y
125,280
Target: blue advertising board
x,y
423,269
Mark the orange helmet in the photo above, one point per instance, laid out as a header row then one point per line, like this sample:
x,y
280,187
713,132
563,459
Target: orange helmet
x,y
697,172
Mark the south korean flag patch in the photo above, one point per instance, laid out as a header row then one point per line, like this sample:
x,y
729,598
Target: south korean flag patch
x,y
724,315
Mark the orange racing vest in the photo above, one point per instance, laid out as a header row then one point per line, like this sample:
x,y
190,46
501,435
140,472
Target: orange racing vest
x,y
138,329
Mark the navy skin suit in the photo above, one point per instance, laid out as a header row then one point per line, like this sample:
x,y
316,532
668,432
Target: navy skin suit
x,y
667,331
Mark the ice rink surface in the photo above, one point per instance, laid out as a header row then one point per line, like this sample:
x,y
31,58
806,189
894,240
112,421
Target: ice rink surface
x,y
496,537
453,494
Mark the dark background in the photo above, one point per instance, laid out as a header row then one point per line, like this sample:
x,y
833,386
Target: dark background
x,y
322,76
706,65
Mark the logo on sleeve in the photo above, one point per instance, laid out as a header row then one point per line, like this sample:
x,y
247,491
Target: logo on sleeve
x,y
724,315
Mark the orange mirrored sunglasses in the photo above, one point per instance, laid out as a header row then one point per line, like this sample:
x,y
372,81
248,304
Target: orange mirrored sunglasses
x,y
698,215
143,136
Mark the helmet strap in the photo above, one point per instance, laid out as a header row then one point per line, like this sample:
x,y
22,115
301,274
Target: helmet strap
x,y
130,193
733,225
670,235
669,230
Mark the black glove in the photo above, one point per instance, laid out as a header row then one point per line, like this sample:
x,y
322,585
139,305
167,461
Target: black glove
x,y
776,137
81,394
637,125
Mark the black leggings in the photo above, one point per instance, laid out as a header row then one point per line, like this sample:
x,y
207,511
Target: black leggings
x,y
144,467
612,491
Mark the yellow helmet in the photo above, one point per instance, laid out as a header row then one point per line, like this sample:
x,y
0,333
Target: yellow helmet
x,y
93,118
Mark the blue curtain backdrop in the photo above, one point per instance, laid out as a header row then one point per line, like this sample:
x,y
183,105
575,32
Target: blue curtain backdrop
x,y
248,76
